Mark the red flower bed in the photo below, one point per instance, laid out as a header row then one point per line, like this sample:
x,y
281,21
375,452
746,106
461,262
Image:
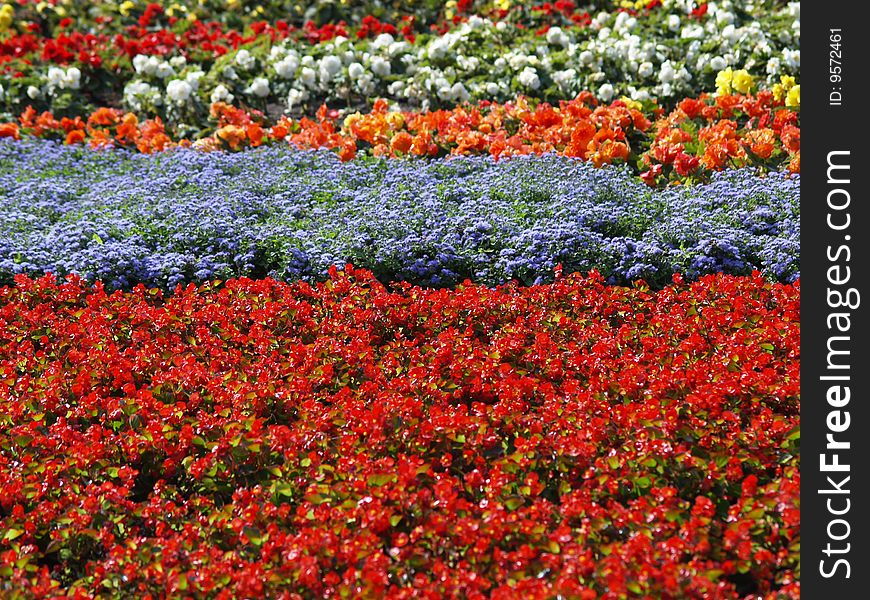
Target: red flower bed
x,y
346,440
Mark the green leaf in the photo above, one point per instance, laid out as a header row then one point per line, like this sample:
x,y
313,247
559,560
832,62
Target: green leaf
x,y
381,479
513,503
13,533
253,534
714,574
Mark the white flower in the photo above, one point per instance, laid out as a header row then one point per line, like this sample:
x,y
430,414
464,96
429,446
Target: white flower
x,y
137,88
65,80
724,17
492,89
139,63
230,73
792,58
605,92
729,33
259,87
645,69
557,37
55,77
773,66
308,76
164,70
72,78
33,92
666,75
179,91
307,61
380,66
674,23
459,93
178,61
692,32
529,78
366,84
287,66
329,67
396,48
565,78
355,70
296,97
437,49
586,57
2,92
221,94
383,40
501,26
193,79
245,60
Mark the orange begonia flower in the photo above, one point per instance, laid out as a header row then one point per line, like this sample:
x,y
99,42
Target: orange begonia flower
x,y
75,136
9,130
233,135
401,142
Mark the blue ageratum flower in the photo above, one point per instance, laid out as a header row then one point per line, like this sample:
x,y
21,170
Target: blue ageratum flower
x,y
185,216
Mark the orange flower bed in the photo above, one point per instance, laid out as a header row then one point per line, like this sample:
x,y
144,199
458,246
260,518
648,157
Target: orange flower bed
x,y
701,135
712,133
104,127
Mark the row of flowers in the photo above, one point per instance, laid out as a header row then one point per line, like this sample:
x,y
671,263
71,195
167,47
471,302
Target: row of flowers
x,y
157,30
665,54
346,440
52,16
170,218
700,136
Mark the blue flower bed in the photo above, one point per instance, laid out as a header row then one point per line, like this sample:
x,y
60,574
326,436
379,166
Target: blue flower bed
x,y
187,216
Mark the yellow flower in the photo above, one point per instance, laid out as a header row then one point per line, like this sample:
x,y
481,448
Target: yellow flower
x,y
793,100
395,119
742,81
504,4
126,7
723,81
7,16
787,82
629,103
448,9
778,92
350,120
191,17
